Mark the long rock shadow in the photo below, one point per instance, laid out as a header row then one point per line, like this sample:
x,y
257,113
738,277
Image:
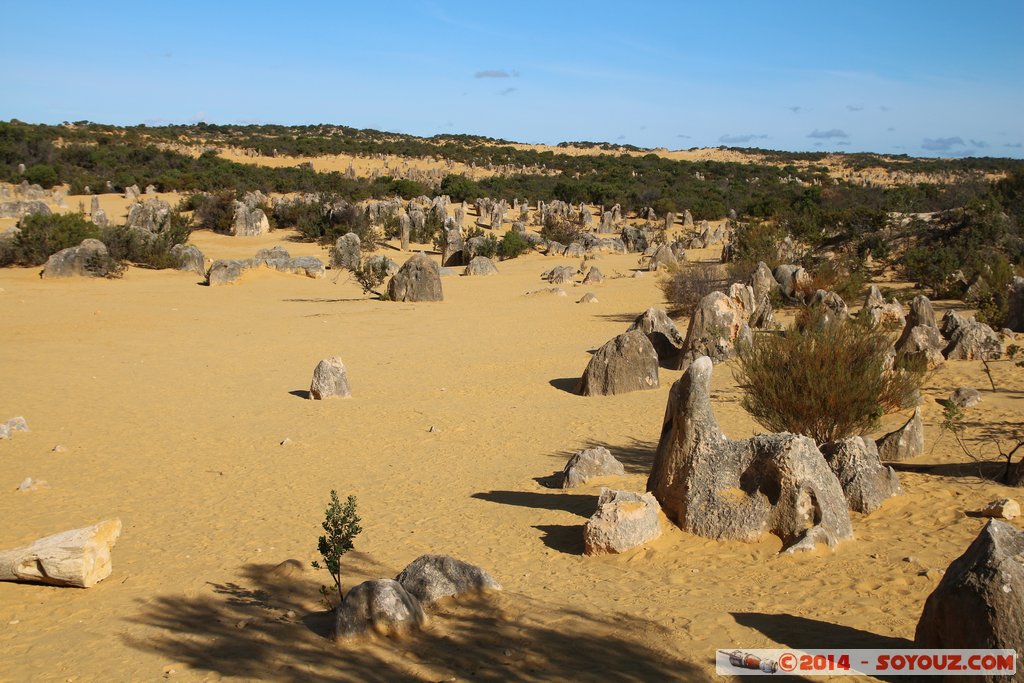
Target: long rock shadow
x,y
636,457
803,633
566,384
565,538
581,505
266,627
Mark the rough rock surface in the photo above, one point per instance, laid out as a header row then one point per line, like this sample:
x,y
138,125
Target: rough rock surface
x,y
965,397
588,298
586,464
865,481
663,334
593,276
1015,316
624,520
419,279
22,209
347,252
76,260
330,380
978,602
149,216
626,363
481,265
80,557
382,606
189,258
718,488
904,443
249,222
763,282
969,339
719,321
430,578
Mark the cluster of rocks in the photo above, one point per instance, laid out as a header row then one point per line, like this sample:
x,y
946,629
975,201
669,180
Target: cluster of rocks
x,y
395,606
925,343
229,271
20,209
770,483
15,424
250,220
88,259
151,216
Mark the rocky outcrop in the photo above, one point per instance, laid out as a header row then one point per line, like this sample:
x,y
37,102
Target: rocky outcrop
x,y
347,252
718,323
663,335
1015,312
719,488
381,606
151,216
249,221
904,443
189,258
586,464
969,339
430,578
865,481
626,363
229,271
80,557
419,279
481,265
624,520
88,259
978,603
22,209
330,380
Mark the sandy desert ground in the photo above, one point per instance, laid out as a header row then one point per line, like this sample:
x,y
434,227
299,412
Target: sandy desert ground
x,y
172,400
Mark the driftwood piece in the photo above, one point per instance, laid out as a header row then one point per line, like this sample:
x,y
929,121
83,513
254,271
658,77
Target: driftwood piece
x,y
79,557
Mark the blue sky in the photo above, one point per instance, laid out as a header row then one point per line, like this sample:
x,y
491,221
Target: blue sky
x,y
921,78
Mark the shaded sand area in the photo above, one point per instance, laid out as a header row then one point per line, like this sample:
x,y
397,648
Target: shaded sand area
x,y
172,400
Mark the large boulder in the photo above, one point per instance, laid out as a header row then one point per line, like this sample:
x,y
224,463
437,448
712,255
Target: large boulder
x,y
586,464
865,481
431,578
189,258
347,252
882,312
624,520
382,606
969,339
921,347
978,603
626,363
719,488
24,208
226,271
663,335
664,257
330,380
718,323
904,443
88,259
481,265
454,245
419,279
249,221
150,216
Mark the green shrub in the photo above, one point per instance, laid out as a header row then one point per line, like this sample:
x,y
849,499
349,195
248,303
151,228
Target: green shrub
x,y
212,211
558,229
825,381
686,284
512,245
754,241
127,245
43,175
45,234
341,526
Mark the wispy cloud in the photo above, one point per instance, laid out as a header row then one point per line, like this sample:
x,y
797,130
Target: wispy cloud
x,y
507,91
890,129
733,139
978,143
1014,145
828,134
941,144
854,107
681,135
494,73
795,110
621,137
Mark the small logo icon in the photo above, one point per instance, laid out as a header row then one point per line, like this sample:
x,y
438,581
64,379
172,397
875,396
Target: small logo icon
x,y
749,661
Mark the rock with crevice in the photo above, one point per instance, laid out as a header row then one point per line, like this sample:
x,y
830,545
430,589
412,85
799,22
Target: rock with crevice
x,y
905,443
590,463
79,557
719,322
718,488
663,334
381,606
624,520
431,578
626,363
969,339
866,482
419,279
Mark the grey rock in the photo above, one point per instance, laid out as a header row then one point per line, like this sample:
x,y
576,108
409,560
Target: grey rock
x,y
560,276
635,240
383,262
718,488
718,323
794,281
249,222
763,282
419,279
150,216
663,257
904,443
965,397
593,276
1015,314
381,606
588,298
663,335
226,271
330,380
586,464
624,520
189,258
626,363
921,313
81,261
832,303
921,346
969,339
481,265
132,192
865,481
454,244
881,312
24,208
431,578
978,603
347,252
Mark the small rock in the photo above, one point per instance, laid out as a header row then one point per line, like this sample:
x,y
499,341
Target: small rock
x,y
623,520
430,578
965,397
588,298
30,484
59,449
433,429
1004,508
908,558
285,441
330,379
587,464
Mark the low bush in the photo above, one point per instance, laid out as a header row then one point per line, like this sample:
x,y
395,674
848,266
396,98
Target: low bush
x,y
212,211
558,229
512,245
825,381
44,234
686,284
139,248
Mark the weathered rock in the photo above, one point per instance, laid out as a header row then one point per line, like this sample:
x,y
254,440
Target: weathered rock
x,y
865,481
921,346
552,291
718,323
921,313
310,266
383,263
663,257
881,312
593,276
718,488
560,275
249,222
347,252
80,557
1004,508
24,208
330,380
635,239
965,397
588,298
150,216
481,265
419,279
86,260
189,258
1015,312
430,578
132,192
663,335
832,303
763,282
382,606
404,225
978,603
969,339
626,363
904,443
794,282
624,520
454,244
586,464
226,271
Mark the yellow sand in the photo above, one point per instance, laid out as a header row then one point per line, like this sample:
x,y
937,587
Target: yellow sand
x,y
172,400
